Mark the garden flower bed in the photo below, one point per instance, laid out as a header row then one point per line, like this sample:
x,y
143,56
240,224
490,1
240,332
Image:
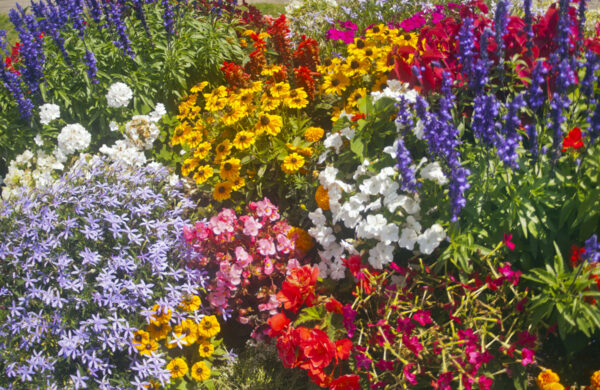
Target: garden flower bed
x,y
363,195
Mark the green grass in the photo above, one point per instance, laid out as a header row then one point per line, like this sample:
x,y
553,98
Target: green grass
x,y
270,8
5,24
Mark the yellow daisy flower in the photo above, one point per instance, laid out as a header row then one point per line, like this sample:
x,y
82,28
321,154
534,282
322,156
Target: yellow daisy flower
x,y
202,150
178,368
270,124
297,98
206,349
335,83
191,303
140,338
280,90
203,173
224,148
271,70
256,86
180,132
380,84
200,371
313,134
383,66
160,316
189,164
188,330
329,65
356,66
237,183
230,169
208,327
148,348
232,114
159,331
243,140
199,87
214,102
269,103
355,96
245,99
193,139
292,163
222,191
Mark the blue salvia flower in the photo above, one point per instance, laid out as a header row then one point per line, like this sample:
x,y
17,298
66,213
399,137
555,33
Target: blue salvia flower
x,y
591,66
54,24
466,47
507,145
404,161
528,26
563,28
92,69
12,83
500,24
482,65
592,250
115,20
485,111
534,99
95,12
139,9
168,18
560,102
581,20
31,52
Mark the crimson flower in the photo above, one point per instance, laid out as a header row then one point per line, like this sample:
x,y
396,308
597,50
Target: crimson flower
x,y
507,242
573,140
346,382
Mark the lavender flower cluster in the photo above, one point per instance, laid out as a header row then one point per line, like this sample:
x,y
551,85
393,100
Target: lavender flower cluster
x,y
81,261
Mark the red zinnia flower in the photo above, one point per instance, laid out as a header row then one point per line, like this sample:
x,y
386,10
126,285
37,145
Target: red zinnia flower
x,y
573,140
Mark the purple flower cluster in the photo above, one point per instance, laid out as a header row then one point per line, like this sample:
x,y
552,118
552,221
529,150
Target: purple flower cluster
x,y
592,250
466,48
404,161
485,111
80,260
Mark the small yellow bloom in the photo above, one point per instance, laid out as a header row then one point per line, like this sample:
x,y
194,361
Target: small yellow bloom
x,y
545,377
191,303
356,66
178,368
335,83
180,132
223,148
232,114
230,169
553,386
193,139
140,338
237,183
595,380
199,87
160,316
270,124
306,152
200,371
189,164
159,331
208,327
206,349
313,134
222,191
214,103
271,70
202,150
243,140
187,331
148,348
292,163
269,103
297,98
322,198
280,90
255,87
203,173
355,96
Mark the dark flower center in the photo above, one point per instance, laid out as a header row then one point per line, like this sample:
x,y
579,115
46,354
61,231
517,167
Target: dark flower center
x,y
354,64
293,93
335,82
360,43
264,120
369,52
199,370
293,160
179,133
243,138
328,62
221,148
208,325
138,337
227,166
406,37
148,346
376,29
222,189
206,349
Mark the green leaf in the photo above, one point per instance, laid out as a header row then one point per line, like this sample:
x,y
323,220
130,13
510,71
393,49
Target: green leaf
x,y
357,146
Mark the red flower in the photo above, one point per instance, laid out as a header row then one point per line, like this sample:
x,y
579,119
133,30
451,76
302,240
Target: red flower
x,y
573,140
277,323
346,382
576,253
356,117
299,288
318,350
334,306
342,349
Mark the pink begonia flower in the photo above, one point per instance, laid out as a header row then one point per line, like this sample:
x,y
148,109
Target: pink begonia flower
x,y
268,267
242,257
408,375
284,244
272,305
251,226
292,263
527,356
218,299
266,209
223,222
507,242
266,247
423,317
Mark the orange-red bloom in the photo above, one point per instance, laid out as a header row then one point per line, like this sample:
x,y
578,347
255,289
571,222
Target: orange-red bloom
x,y
573,140
346,382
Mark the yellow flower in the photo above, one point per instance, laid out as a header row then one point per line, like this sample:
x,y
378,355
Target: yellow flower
x,y
553,386
203,173
223,148
335,83
208,327
188,330
200,371
595,380
214,102
271,124
222,191
140,338
355,96
269,103
546,377
243,140
383,66
292,163
202,150
313,134
380,84
329,65
245,98
237,183
306,152
189,165
191,303
149,347
230,169
256,86
232,114
302,240
180,132
322,198
199,87
297,98
206,349
271,70
280,90
159,331
356,66
193,139
178,368
160,316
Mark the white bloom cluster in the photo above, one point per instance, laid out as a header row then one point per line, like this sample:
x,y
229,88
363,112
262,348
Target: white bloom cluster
x,y
30,170
49,112
396,90
141,131
377,210
119,95
125,152
72,138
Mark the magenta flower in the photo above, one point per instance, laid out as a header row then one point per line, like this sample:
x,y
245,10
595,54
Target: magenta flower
x,y
414,22
485,383
412,343
408,375
527,356
507,242
423,317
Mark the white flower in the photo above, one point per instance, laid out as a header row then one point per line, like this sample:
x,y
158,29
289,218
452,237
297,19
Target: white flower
x,y
72,138
141,132
327,176
408,238
334,141
338,270
392,150
38,140
122,151
323,269
433,172
158,113
361,170
389,233
119,95
24,158
49,112
113,126
348,133
317,217
411,206
380,255
418,129
431,238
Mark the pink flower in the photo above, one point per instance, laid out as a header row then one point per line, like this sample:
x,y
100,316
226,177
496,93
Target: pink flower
x,y
268,267
509,274
266,247
485,383
242,257
412,343
414,22
527,356
444,381
423,317
408,375
223,222
507,242
292,263
526,339
251,226
266,209
284,244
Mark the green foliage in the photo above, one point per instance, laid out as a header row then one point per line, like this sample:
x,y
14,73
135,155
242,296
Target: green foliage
x,y
5,24
273,9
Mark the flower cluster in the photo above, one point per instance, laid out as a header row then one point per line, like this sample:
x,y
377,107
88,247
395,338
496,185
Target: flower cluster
x,y
246,259
79,259
549,380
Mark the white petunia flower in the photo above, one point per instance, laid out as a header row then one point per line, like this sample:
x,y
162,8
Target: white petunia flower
x,y
38,140
433,172
73,138
381,255
334,141
418,129
119,95
327,176
317,217
337,270
408,238
431,238
158,113
49,112
113,126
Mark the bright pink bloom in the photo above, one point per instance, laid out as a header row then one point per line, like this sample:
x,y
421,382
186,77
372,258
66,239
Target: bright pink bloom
x,y
423,317
266,247
251,226
507,242
527,356
408,375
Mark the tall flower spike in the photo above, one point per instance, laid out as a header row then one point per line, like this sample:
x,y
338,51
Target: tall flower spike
x,y
500,24
528,27
404,161
507,146
466,47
